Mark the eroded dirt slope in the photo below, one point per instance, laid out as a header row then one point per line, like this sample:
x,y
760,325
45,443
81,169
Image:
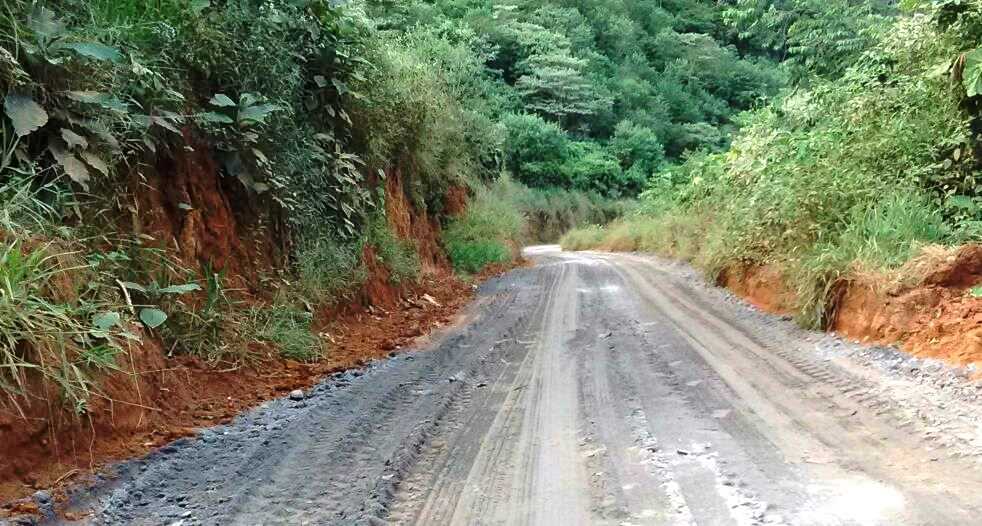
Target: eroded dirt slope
x,y
590,389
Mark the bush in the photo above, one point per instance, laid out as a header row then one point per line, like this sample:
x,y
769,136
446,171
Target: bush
x,y
490,231
551,212
399,257
56,320
472,256
328,270
588,237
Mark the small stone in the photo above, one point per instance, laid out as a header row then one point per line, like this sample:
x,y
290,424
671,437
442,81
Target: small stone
x,y
43,498
297,395
682,452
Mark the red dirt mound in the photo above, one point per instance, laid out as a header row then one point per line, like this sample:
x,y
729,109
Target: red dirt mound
x,y
761,285
938,318
935,317
183,202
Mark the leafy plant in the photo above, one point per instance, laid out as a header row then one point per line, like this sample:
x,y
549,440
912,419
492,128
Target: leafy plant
x,y
50,325
286,328
154,294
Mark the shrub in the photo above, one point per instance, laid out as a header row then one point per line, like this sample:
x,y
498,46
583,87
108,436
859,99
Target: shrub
x,y
399,256
490,231
56,320
472,256
328,270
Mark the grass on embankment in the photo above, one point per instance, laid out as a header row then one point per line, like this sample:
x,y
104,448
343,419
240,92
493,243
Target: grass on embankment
x,y
850,177
500,219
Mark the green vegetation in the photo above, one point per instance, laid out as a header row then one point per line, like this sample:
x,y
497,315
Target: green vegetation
x,y
590,95
490,231
821,136
288,329
869,156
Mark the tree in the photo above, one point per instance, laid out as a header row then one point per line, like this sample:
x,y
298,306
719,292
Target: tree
x,y
637,147
556,87
536,151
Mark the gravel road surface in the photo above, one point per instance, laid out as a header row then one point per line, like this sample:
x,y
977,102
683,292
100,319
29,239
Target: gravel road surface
x,y
589,389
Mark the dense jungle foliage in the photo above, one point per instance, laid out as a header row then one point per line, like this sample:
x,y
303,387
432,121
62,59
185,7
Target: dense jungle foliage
x,y
868,155
811,133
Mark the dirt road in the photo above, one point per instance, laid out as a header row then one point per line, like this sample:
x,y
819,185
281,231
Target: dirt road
x,y
589,389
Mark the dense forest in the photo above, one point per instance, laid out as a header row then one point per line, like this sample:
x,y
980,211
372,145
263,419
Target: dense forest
x,y
162,158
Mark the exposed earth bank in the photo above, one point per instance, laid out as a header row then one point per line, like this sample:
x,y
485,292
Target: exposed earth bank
x,y
592,388
155,395
931,313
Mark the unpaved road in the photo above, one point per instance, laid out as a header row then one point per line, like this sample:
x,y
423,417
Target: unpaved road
x,y
590,389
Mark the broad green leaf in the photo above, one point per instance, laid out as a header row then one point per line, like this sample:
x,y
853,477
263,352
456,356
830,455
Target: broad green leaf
x,y
96,51
152,318
221,100
180,289
96,162
197,6
977,292
134,286
256,114
43,22
74,140
76,170
164,123
95,97
972,74
25,114
320,81
247,99
105,320
211,116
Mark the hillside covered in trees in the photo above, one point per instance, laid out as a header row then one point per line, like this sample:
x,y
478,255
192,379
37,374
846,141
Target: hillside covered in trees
x,y
168,162
863,169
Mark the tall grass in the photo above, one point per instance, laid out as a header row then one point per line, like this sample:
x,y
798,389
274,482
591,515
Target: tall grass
x,y
56,321
490,231
328,270
285,327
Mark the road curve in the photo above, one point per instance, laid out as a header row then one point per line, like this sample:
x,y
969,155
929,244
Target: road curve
x,y
589,389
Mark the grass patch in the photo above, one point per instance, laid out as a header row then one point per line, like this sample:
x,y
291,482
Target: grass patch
x,y
328,270
490,231
286,328
399,256
57,320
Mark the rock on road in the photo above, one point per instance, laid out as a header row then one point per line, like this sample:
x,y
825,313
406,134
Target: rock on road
x,y
589,389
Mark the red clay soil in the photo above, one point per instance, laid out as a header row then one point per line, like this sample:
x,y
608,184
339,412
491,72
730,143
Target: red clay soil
x,y
412,224
937,318
171,398
184,203
760,285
